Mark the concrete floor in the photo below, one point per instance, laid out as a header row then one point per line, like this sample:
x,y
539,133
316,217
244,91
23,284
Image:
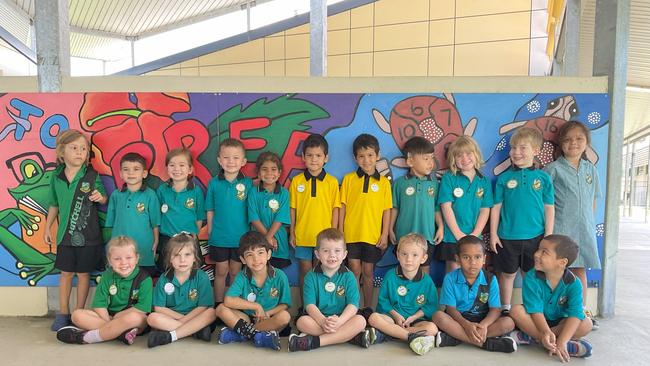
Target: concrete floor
x,y
624,340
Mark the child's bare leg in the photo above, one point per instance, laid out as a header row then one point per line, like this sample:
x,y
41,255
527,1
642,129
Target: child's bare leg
x,y
524,321
87,319
447,324
501,326
205,318
83,284
123,321
346,332
582,276
583,329
162,321
305,266
355,267
367,279
429,328
229,316
506,283
276,322
65,287
450,266
220,273
387,325
233,267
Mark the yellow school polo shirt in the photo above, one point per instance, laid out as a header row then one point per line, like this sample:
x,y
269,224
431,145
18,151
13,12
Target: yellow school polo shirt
x,y
365,197
313,198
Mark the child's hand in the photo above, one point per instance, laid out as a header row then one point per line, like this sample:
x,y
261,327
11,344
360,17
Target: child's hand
x,y
260,314
333,323
392,237
460,236
382,243
47,236
273,241
154,247
561,352
482,331
96,196
494,241
548,341
472,331
292,239
407,322
399,319
440,234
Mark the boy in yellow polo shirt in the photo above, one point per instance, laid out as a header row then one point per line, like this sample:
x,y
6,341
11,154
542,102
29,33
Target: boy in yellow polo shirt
x,y
314,202
364,217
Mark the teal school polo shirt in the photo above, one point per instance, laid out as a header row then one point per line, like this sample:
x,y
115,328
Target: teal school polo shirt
x,y
228,201
113,292
135,214
179,211
565,300
416,200
182,298
268,208
523,194
330,294
273,292
407,296
457,293
467,199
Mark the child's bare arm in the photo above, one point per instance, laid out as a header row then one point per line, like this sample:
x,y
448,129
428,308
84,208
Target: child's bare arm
x,y
549,219
292,228
191,315
169,312
493,315
341,222
495,216
385,227
547,338
316,314
483,215
258,226
450,219
240,304
52,214
103,313
440,228
209,215
393,218
277,309
156,232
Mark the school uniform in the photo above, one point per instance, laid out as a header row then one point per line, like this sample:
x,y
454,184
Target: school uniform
x,y
472,301
407,296
183,298
330,294
269,208
274,291
116,293
180,210
564,301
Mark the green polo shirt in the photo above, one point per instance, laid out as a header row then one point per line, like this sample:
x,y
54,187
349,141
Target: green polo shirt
x,y
228,201
407,296
467,199
565,300
416,200
135,214
179,211
273,292
113,292
268,208
61,195
182,298
330,294
523,194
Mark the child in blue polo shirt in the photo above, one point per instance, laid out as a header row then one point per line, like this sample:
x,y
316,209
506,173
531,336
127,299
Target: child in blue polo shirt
x,y
415,197
181,201
407,299
255,307
471,297
268,208
134,210
465,198
182,299
227,213
331,299
523,211
552,311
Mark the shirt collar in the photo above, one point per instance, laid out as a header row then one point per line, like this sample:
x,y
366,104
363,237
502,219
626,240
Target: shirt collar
x,y
143,187
480,278
260,187
319,269
222,176
567,277
516,168
361,173
62,176
270,272
418,276
409,175
460,174
189,187
170,274
320,176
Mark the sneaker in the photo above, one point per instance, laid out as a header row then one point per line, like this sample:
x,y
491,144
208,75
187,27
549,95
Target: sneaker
x,y
423,344
362,339
158,338
505,312
227,335
579,348
594,322
60,321
286,331
445,340
203,334
503,344
128,337
71,334
520,337
376,336
267,340
302,342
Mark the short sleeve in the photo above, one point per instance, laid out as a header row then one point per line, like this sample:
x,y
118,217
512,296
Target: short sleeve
x,y
395,191
345,190
384,305
388,194
488,197
494,299
548,195
284,288
99,185
154,210
352,290
145,294
309,289
574,301
206,293
532,294
159,295
210,195
200,207
446,189
293,198
253,207
236,288
498,191
447,296
282,215
335,193
110,211
596,179
431,306
100,300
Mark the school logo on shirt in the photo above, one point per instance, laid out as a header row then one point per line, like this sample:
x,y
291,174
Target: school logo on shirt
x,y
431,191
135,294
300,188
562,300
589,178
189,203
241,191
480,192
85,187
274,205
274,292
483,297
340,291
409,191
140,207
537,184
420,300
193,294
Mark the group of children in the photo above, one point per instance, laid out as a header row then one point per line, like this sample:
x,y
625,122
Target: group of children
x,y
530,230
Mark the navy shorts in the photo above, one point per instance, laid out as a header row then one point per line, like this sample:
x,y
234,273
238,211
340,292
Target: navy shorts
x,y
79,259
516,254
220,254
368,253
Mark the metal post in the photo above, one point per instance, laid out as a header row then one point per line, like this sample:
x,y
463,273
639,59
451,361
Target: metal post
x,y
566,58
647,184
318,38
52,43
132,53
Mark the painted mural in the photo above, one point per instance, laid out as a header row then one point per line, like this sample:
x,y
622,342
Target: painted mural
x,y
154,123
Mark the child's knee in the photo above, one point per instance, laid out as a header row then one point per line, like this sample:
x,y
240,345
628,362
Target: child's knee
x,y
374,319
439,317
135,319
67,276
283,317
358,321
517,311
220,310
430,328
154,319
221,269
506,324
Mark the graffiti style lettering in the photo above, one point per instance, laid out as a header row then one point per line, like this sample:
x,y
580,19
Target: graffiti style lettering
x,y
238,128
48,136
21,122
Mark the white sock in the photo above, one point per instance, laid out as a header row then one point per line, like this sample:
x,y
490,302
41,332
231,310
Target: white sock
x,y
174,337
92,336
506,307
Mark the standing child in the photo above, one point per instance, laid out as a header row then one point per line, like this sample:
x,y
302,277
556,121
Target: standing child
x,y
366,200
331,299
268,208
473,313
181,201
552,312
522,213
75,187
577,187
415,207
182,299
121,303
256,304
465,198
314,202
227,213
134,210
407,299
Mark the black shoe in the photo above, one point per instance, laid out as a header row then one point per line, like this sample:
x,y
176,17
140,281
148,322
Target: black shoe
x,y
286,331
445,340
299,313
70,334
365,312
303,342
362,339
203,334
500,344
158,338
505,312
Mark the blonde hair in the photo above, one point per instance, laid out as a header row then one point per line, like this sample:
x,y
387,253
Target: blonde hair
x,y
464,144
66,137
121,241
413,238
176,244
528,134
330,234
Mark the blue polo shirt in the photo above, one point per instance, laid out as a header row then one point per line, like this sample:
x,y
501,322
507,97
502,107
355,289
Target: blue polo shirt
x,y
565,300
274,291
228,201
407,296
523,194
330,294
268,208
182,298
180,210
457,293
416,199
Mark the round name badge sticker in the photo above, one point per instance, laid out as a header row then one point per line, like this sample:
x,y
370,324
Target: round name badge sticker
x,y
240,187
374,187
251,297
409,191
300,188
112,290
458,192
330,287
512,184
164,208
169,288
274,205
402,291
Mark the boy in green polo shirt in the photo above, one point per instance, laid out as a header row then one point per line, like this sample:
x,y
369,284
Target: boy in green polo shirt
x,y
227,213
415,198
255,306
121,303
407,299
134,210
366,200
523,211
331,299
552,311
